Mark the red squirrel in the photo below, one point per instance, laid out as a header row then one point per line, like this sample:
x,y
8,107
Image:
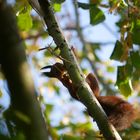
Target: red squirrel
x,y
120,113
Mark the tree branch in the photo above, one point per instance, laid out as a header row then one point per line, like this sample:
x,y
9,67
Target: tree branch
x,y
84,93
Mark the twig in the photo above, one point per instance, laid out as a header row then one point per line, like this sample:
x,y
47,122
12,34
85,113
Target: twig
x,y
52,51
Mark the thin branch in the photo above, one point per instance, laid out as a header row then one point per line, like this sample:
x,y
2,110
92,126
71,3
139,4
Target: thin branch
x,y
84,93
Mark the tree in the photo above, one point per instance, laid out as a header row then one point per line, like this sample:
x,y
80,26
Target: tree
x,y
25,106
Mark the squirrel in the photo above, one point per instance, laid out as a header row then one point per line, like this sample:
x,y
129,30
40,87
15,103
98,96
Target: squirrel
x,y
120,113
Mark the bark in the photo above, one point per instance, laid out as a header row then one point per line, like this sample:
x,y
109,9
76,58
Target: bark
x,y
84,93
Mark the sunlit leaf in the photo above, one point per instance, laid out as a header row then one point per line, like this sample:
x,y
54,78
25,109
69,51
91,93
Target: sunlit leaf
x,y
110,69
126,88
24,19
57,7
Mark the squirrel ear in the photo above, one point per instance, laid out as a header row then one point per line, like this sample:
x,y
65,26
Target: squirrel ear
x,y
93,83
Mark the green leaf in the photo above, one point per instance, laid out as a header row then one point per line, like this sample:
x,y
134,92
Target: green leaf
x,y
124,81
122,76
57,89
96,15
129,67
117,52
84,126
61,126
126,88
83,5
136,75
136,32
24,19
48,110
57,7
110,69
135,57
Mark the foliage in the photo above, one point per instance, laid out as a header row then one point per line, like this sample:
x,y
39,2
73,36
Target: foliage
x,y
56,103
